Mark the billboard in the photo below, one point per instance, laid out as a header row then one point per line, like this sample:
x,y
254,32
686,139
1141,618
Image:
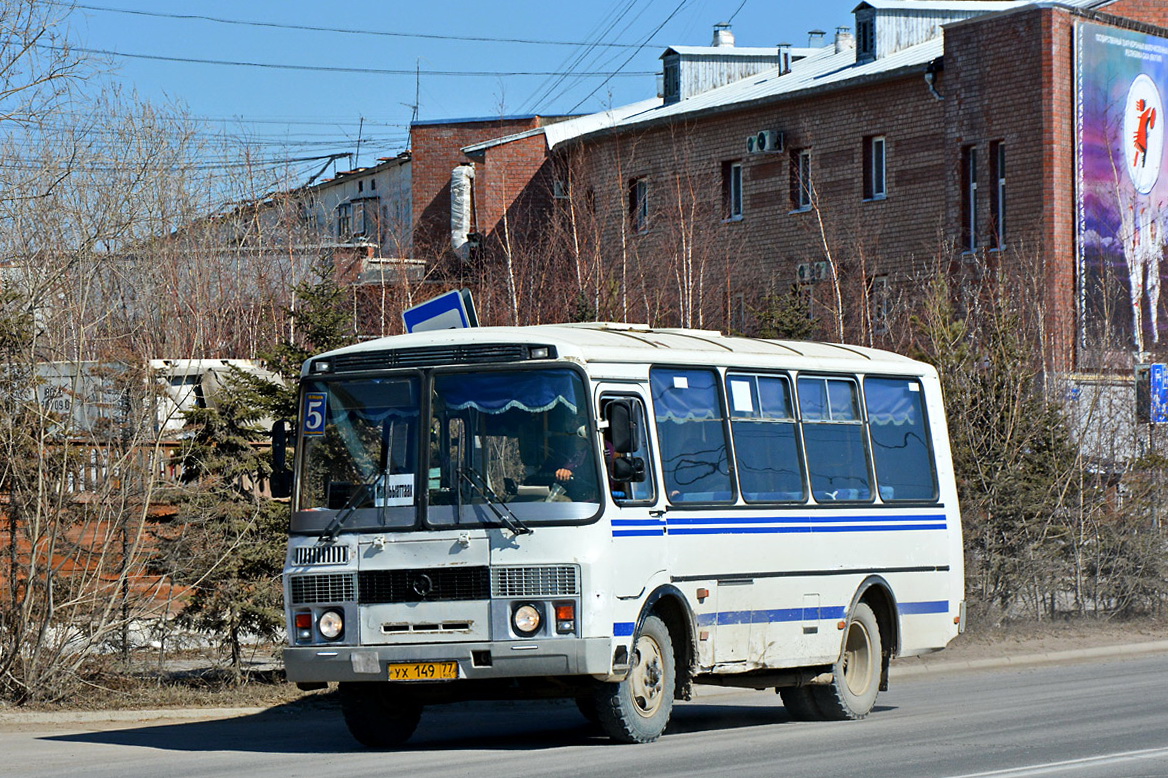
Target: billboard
x,y
1122,189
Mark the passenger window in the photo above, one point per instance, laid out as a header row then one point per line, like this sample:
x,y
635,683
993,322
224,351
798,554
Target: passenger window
x,y
690,427
833,434
766,442
900,440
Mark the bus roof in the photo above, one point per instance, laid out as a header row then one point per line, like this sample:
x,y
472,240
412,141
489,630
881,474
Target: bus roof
x,y
614,342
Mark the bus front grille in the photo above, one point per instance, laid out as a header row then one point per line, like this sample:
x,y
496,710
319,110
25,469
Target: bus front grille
x,y
547,581
321,555
423,585
334,587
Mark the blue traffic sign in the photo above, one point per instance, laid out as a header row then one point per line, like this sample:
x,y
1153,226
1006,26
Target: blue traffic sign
x,y
451,311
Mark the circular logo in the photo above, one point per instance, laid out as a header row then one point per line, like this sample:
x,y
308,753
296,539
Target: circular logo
x,y
422,585
1143,133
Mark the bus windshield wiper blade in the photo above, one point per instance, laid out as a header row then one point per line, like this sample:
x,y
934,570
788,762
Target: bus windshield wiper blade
x,y
498,507
347,510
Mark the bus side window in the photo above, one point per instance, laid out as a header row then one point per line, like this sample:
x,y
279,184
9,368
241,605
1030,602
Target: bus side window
x,y
691,428
833,433
630,473
900,439
766,441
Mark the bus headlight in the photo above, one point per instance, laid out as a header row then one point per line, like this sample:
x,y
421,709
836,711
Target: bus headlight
x,y
331,625
526,619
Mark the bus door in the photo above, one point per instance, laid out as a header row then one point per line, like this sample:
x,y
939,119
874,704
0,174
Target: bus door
x,y
638,529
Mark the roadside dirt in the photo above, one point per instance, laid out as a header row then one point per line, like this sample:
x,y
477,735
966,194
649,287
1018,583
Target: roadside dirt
x,y
1017,639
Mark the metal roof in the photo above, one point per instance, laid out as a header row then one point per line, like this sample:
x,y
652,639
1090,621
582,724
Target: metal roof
x,y
722,51
973,6
824,68
570,128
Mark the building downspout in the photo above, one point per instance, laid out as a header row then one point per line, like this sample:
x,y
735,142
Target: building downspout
x,y
931,71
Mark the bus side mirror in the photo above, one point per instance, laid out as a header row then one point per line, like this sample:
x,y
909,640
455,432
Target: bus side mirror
x,y
628,469
280,482
622,428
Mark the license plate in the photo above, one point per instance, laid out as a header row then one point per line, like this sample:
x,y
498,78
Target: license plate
x,y
423,671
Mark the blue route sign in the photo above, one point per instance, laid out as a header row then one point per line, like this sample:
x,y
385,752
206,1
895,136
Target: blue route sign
x,y
1152,394
451,311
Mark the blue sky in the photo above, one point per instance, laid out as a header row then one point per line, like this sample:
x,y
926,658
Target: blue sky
x,y
294,112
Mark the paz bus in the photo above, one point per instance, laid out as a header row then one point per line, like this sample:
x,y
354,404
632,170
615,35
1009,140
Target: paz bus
x,y
613,514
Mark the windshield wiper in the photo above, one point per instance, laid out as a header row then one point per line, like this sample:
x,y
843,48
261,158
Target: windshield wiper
x,y
498,507
334,527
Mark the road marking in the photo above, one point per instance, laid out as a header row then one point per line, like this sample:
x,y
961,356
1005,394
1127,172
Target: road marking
x,y
1070,764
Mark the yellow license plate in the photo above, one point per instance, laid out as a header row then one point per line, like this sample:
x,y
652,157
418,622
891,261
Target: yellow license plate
x,y
423,671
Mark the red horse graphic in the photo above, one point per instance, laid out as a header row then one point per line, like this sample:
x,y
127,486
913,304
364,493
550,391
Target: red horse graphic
x,y
1147,122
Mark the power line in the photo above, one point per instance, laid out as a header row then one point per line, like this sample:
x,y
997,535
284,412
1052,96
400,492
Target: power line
x,y
344,31
334,69
630,59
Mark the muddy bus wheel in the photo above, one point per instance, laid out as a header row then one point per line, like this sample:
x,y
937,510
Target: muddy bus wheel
x,y
379,715
856,675
637,709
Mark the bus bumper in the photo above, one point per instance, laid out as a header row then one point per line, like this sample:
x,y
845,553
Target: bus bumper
x,y
514,659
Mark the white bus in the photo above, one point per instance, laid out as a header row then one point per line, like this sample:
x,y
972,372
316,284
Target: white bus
x,y
614,513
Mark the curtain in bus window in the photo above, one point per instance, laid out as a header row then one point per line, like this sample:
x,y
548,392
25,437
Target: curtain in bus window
x,y
833,434
765,443
690,427
900,441
534,391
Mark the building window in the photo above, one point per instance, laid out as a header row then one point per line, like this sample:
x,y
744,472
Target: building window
x,y
874,179
969,198
801,180
344,221
998,193
732,189
671,86
639,204
865,39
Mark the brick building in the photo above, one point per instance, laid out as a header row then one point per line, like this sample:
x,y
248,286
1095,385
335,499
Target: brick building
x,y
875,161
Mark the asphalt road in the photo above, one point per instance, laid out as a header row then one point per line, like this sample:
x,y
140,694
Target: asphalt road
x,y
1086,720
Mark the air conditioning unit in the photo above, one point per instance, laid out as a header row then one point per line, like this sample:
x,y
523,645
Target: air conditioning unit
x,y
768,140
751,143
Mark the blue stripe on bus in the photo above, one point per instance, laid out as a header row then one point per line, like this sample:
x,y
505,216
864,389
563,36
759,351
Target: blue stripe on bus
x,y
870,518
769,525
782,615
916,608
795,530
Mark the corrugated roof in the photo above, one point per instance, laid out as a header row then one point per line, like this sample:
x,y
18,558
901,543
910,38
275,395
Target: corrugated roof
x,y
973,6
823,69
722,51
571,128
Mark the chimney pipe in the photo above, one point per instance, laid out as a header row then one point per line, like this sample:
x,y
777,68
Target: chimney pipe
x,y
844,39
722,35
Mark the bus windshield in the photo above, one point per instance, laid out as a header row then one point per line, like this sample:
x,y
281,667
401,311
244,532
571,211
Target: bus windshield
x,y
517,436
512,441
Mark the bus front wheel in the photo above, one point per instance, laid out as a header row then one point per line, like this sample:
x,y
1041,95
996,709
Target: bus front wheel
x,y
856,674
378,715
637,709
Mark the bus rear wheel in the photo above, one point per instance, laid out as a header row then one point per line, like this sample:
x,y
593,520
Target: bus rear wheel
x,y
379,715
637,709
856,674
800,703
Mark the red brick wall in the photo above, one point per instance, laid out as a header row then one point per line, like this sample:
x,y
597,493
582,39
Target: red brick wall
x,y
1148,11
436,152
